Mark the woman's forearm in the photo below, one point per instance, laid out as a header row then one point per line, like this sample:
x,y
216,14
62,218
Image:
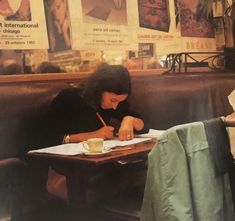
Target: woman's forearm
x,y
105,132
75,138
137,123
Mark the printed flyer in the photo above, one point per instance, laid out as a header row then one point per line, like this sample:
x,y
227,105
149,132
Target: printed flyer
x,y
156,23
197,28
102,25
22,25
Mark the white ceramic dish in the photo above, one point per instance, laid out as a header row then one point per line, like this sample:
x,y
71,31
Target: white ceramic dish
x,y
93,154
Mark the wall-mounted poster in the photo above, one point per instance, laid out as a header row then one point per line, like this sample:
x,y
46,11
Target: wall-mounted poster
x,y
196,26
58,24
194,21
102,24
146,50
144,58
22,25
154,14
156,23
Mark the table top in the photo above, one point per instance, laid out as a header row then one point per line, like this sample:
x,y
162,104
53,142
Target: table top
x,y
114,155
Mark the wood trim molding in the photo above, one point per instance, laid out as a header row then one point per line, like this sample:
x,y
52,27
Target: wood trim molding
x,y
56,77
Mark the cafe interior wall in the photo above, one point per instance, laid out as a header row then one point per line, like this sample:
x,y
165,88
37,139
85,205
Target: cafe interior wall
x,y
76,60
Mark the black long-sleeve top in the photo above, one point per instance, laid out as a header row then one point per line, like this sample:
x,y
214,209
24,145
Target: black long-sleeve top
x,y
71,114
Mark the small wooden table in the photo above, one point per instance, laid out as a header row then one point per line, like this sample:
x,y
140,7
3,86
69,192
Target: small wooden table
x,y
78,169
118,154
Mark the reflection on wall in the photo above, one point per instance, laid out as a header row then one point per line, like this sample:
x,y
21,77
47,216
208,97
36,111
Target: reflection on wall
x,y
144,58
11,62
68,60
33,58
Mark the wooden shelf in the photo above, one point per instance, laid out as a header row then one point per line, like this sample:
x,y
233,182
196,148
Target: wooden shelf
x,y
69,77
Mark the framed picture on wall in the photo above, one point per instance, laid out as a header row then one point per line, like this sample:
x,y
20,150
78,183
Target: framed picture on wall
x,y
58,25
194,19
154,14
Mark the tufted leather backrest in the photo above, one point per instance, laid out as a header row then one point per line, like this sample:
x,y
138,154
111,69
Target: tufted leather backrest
x,y
163,101
167,100
22,107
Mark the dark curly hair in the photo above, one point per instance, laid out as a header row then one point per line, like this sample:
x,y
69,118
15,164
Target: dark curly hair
x,y
106,78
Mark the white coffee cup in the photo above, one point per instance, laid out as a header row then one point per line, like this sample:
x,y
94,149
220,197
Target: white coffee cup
x,y
94,145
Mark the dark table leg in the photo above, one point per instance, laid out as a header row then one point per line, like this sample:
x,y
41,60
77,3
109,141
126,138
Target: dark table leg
x,y
78,184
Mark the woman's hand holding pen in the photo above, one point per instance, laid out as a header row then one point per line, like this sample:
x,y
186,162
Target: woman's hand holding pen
x,y
105,132
126,130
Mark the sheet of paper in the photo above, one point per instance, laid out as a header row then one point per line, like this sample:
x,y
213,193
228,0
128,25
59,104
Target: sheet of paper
x,y
63,149
153,133
118,143
77,148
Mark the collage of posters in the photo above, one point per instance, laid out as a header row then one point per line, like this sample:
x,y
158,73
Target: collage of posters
x,y
60,25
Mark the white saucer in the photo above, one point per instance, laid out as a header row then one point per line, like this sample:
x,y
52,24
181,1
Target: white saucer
x,y
93,154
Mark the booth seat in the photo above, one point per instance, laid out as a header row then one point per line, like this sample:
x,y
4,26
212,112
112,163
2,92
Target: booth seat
x,y
169,100
163,101
22,110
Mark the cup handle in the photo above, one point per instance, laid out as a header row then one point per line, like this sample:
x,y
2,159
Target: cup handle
x,y
85,145
105,148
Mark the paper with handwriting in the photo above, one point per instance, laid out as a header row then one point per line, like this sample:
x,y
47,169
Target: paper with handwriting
x,y
71,149
118,143
153,133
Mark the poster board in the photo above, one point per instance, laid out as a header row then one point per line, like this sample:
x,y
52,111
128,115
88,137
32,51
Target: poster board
x,y
22,25
102,25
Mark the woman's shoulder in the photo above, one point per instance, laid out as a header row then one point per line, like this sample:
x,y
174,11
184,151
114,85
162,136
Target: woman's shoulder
x,y
69,95
72,91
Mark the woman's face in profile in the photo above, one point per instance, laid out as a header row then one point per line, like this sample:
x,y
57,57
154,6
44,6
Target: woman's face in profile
x,y
111,100
58,9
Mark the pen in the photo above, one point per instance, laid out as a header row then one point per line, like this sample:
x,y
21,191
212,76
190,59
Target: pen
x,y
101,119
122,148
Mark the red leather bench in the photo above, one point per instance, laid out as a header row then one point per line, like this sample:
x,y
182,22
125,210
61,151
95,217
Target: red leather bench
x,y
163,101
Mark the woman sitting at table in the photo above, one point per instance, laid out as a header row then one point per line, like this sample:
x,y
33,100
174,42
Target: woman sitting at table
x,y
98,108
